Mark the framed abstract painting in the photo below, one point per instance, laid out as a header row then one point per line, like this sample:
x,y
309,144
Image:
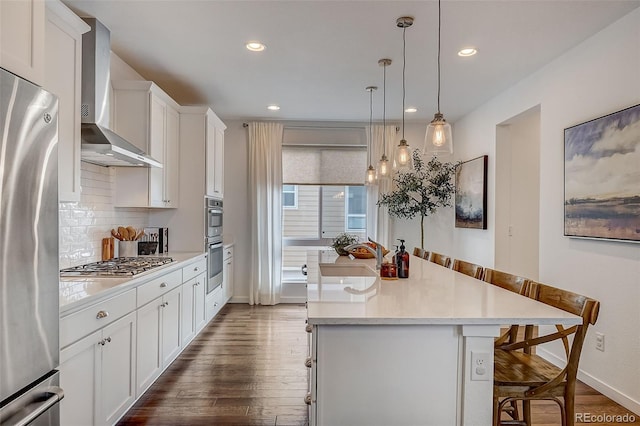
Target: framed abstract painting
x,y
471,194
602,177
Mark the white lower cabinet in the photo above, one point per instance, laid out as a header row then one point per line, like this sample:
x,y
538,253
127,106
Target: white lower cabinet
x,y
113,350
98,375
193,317
158,337
227,273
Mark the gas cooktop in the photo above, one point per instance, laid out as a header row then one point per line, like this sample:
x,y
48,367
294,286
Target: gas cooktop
x,y
118,267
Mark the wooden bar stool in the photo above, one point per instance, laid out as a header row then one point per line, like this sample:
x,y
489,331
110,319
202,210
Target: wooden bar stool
x,y
468,268
440,259
521,375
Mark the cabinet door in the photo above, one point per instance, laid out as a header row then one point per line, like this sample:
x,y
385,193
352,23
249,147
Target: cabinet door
x,y
199,302
156,150
211,158
79,370
148,358
218,183
171,320
171,158
63,61
118,369
188,308
22,28
227,274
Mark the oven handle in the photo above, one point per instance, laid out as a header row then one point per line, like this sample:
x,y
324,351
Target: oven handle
x,y
215,211
215,245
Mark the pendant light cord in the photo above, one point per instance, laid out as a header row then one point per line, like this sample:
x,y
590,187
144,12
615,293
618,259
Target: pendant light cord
x,y
384,109
370,122
439,25
404,65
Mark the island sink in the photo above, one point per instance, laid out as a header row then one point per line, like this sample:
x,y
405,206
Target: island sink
x,y
346,270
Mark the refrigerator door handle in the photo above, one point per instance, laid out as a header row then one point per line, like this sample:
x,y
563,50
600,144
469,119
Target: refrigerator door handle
x,y
53,395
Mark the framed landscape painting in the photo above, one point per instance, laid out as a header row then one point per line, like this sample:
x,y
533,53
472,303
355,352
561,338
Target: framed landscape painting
x,y
602,177
471,194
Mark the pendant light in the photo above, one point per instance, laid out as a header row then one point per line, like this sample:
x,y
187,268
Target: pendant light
x,y
438,138
383,165
403,160
370,177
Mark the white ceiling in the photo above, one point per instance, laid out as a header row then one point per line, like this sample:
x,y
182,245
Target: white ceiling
x,y
321,55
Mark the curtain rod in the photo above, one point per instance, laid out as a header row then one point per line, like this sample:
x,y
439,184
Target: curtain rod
x,y
320,127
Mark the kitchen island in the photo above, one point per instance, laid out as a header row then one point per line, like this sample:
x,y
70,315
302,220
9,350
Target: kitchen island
x,y
416,351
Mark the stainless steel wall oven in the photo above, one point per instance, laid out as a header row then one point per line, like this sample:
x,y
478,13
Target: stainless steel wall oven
x,y
213,234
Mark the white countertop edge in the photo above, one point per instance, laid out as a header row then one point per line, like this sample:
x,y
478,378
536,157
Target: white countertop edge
x,y
443,321
182,259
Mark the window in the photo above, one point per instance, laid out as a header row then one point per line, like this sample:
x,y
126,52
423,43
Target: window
x,y
355,208
290,196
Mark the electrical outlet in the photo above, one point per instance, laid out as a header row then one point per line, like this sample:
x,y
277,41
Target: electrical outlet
x,y
600,341
481,368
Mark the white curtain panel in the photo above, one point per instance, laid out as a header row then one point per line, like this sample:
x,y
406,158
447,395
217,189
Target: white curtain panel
x,y
265,180
378,220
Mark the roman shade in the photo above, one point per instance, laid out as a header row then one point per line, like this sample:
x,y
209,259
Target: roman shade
x,y
322,165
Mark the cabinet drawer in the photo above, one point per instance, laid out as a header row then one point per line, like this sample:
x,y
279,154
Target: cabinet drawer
x,y
227,253
156,288
194,269
77,325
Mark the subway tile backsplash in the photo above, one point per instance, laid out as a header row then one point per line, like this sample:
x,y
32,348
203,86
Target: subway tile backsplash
x,y
84,224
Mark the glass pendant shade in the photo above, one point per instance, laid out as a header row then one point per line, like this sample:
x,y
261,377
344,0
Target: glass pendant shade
x,y
403,159
370,177
438,139
383,167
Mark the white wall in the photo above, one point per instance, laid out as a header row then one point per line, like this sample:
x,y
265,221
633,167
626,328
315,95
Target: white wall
x,y
597,77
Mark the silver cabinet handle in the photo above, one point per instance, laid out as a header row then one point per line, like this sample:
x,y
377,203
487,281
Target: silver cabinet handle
x,y
54,394
101,342
309,328
163,285
165,304
307,399
196,269
197,283
215,304
102,314
307,362
108,339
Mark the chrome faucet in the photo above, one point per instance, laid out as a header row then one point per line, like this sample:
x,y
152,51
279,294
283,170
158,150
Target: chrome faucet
x,y
377,252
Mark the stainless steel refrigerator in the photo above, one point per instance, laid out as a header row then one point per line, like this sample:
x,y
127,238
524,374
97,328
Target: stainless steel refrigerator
x,y
29,316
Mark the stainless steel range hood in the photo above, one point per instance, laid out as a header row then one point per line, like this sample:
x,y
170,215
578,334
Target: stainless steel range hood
x,y
99,144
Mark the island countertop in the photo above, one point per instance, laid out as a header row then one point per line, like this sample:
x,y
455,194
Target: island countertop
x,y
431,295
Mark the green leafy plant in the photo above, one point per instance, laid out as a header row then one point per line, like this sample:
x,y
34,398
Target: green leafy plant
x,y
420,191
341,241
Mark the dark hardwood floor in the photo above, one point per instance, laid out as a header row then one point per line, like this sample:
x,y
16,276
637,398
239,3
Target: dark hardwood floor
x,y
247,368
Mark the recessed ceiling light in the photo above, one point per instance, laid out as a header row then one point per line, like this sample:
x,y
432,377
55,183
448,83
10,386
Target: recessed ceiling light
x,y
255,46
467,51
109,154
273,107
411,109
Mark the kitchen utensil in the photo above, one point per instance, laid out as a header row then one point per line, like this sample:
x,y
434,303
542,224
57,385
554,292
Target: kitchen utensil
x,y
123,232
116,234
132,233
140,235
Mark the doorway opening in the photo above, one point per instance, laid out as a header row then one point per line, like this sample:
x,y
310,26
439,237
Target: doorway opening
x,y
517,226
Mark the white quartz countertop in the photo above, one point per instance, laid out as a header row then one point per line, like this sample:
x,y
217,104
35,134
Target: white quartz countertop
x,y
77,292
431,295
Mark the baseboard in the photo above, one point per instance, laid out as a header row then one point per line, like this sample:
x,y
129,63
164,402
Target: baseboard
x,y
245,299
611,393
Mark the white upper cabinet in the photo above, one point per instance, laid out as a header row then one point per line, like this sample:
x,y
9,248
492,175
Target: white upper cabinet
x,y
22,28
63,61
148,118
215,155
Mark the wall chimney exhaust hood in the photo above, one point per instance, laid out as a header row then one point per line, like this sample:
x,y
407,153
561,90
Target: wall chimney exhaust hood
x,y
99,144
